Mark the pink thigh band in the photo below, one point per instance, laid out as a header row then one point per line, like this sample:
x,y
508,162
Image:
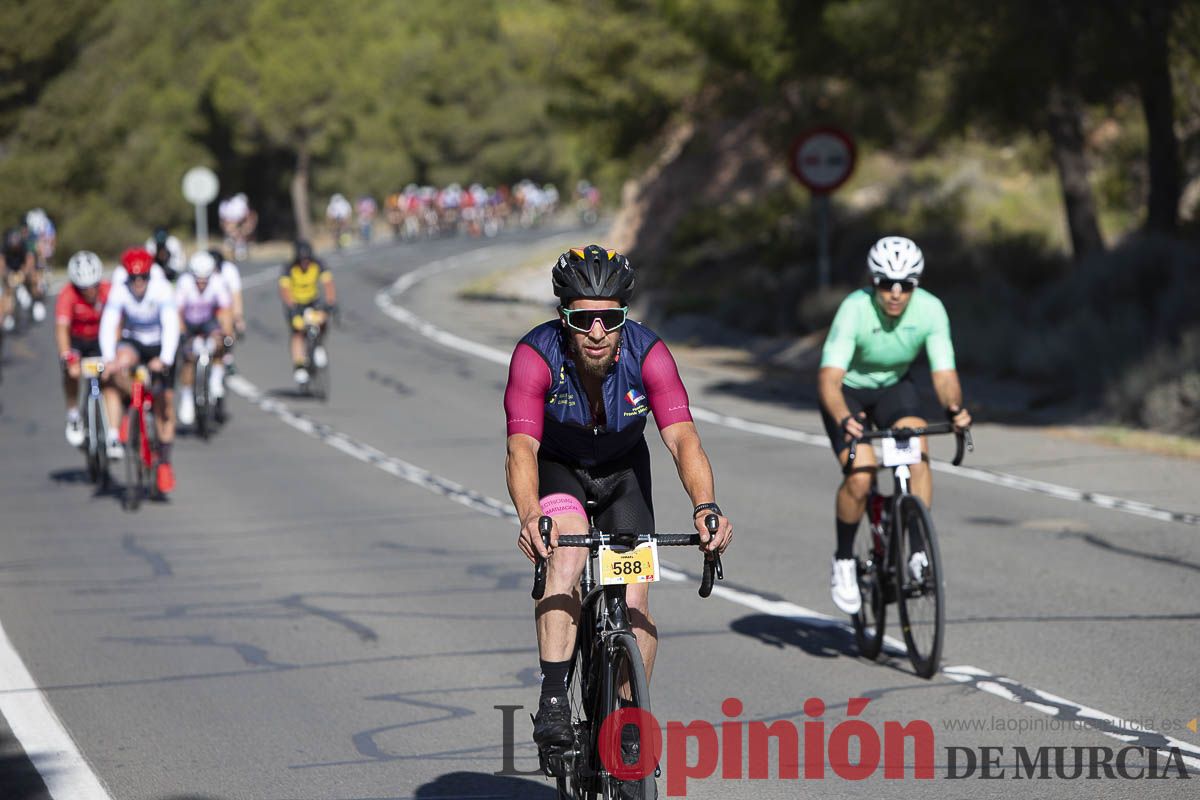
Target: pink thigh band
x,y
556,504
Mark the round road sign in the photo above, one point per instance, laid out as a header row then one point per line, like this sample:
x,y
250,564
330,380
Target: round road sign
x,y
822,158
200,186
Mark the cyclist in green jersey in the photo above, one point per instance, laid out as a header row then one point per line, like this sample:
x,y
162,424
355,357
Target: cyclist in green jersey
x,y
864,378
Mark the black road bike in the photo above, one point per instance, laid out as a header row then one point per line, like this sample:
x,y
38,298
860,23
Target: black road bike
x,y
607,672
95,421
316,354
900,562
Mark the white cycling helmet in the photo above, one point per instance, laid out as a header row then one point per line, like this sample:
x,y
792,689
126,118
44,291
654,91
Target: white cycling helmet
x,y
202,265
37,221
895,258
85,269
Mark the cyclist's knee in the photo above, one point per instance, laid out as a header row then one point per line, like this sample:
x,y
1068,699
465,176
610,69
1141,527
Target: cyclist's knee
x,y
566,565
858,482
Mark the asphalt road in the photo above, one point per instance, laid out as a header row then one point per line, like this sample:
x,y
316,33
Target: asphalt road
x,y
331,605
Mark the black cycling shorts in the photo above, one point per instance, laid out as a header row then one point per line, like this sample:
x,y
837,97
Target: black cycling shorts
x,y
883,406
86,348
148,351
621,489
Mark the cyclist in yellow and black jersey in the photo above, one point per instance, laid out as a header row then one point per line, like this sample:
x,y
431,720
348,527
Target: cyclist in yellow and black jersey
x,y
300,287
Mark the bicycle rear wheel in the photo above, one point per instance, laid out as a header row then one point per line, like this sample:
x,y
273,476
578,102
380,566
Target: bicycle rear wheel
x,y
133,464
872,575
921,599
318,375
624,666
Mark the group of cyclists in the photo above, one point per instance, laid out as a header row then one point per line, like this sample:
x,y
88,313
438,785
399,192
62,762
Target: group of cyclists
x,y
147,313
581,386
28,247
152,311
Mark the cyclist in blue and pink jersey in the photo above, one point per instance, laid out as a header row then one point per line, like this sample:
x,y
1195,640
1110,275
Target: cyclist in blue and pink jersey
x,y
579,390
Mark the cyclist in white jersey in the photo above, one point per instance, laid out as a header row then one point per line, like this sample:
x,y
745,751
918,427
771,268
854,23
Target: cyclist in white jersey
x,y
205,308
231,276
143,312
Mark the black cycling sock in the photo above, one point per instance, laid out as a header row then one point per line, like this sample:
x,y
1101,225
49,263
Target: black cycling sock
x,y
845,539
554,678
164,452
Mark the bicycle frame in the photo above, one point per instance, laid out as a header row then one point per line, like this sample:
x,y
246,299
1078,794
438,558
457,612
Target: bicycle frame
x,y
141,401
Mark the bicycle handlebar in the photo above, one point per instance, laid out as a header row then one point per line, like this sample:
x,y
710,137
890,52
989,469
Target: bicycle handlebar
x,y
963,440
713,569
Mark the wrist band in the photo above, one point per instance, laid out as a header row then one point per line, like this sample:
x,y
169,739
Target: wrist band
x,y
716,509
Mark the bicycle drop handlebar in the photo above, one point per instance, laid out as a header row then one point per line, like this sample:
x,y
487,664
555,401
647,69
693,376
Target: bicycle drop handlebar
x,y
962,444
713,569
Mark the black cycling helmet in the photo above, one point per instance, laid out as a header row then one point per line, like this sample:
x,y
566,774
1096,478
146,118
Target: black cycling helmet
x,y
160,237
592,272
304,251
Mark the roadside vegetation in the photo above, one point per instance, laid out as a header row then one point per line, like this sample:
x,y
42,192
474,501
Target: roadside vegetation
x,y
1044,153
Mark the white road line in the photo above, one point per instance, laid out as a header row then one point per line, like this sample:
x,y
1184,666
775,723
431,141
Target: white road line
x,y
386,301
982,680
42,734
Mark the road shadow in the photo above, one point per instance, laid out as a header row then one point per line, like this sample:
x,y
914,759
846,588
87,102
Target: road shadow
x,y
79,477
482,785
18,777
823,640
289,393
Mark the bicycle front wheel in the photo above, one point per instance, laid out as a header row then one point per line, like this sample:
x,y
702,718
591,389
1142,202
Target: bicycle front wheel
x,y
133,464
920,587
625,686
200,395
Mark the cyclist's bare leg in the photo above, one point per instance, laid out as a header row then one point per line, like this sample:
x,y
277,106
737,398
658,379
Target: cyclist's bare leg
x,y
557,613
637,597
921,482
852,494
298,354
187,365
164,416
118,382
71,384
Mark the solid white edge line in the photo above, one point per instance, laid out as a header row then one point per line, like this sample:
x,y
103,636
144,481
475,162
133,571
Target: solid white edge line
x,y
42,735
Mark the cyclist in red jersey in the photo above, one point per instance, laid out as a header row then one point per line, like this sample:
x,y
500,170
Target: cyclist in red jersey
x,y
77,329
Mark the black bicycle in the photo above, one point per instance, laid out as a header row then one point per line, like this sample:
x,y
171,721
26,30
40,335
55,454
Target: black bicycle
x,y
607,672
95,421
900,562
316,355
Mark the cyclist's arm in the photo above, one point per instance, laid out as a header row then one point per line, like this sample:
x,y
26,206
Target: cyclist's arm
x,y
110,322
330,289
668,401
836,356
829,392
524,411
947,388
940,351
285,289
170,319
62,322
695,472
225,313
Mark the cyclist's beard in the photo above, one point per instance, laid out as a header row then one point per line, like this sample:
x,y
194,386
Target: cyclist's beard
x,y
589,366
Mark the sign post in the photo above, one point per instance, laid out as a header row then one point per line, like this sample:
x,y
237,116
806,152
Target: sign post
x,y
200,187
822,159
